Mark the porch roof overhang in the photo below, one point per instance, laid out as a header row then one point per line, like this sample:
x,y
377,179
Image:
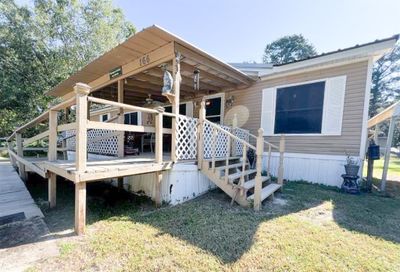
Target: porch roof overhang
x,y
386,114
161,45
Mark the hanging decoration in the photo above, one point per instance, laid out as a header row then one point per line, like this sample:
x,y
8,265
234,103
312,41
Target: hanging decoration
x,y
167,80
196,80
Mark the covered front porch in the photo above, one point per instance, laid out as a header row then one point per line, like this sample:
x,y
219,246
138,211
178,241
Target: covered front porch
x,y
155,94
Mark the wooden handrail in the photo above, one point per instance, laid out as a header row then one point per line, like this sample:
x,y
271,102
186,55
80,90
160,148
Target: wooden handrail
x,y
255,137
229,134
120,105
43,116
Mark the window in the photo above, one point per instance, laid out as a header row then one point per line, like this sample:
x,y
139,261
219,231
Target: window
x,y
104,117
299,109
167,120
131,118
215,108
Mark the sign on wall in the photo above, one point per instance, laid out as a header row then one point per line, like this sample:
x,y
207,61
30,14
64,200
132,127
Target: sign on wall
x,y
116,72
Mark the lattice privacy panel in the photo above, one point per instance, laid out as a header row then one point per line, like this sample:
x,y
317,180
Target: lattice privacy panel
x,y
221,142
241,134
186,144
108,146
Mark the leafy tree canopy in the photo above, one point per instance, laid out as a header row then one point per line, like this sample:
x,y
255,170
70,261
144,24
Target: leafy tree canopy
x,y
288,48
43,44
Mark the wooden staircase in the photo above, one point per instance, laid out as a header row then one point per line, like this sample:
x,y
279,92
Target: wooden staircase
x,y
241,192
224,160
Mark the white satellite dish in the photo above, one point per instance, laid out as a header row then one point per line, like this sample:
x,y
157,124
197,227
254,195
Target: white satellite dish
x,y
242,115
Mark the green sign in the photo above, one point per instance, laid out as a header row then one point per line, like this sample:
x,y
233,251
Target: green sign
x,y
116,72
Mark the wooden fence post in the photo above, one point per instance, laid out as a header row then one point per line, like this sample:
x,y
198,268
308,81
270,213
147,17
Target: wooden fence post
x,y
20,153
258,181
202,117
281,154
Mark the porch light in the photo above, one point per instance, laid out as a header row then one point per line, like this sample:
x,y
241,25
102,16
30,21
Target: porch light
x,y
196,80
229,101
167,80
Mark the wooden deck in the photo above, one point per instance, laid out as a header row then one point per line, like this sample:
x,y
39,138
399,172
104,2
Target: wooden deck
x,y
14,197
100,169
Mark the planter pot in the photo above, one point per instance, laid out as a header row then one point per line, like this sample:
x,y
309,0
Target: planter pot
x,y
352,170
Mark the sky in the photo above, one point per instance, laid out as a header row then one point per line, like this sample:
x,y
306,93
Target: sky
x,y
237,31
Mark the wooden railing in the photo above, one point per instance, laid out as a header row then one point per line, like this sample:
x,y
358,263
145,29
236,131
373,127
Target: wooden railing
x,y
17,145
259,151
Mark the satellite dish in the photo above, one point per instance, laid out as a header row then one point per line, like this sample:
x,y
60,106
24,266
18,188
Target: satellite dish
x,y
242,115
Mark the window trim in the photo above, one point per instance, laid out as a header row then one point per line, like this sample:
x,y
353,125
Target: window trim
x,y
108,116
323,107
139,116
217,95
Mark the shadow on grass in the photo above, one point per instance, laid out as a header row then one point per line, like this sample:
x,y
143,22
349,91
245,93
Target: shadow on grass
x,y
210,223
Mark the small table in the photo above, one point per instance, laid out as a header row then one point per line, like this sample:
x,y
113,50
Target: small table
x,y
350,184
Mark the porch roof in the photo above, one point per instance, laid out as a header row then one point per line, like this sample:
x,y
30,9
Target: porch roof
x,y
214,72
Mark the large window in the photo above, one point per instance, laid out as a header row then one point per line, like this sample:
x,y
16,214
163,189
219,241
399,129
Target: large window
x,y
299,109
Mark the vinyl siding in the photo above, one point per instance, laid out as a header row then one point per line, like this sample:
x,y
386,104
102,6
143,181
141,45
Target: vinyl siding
x,y
350,139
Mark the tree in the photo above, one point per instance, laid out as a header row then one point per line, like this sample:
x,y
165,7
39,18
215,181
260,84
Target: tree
x,y
44,44
385,87
288,48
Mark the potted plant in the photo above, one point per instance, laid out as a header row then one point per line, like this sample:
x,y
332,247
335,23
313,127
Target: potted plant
x,y
352,166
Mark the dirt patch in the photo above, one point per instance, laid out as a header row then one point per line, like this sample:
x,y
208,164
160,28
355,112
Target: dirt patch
x,y
24,243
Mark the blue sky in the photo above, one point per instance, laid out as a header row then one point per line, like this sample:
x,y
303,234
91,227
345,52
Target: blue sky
x,y
237,31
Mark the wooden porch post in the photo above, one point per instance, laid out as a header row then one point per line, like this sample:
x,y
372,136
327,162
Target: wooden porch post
x,y
202,117
121,118
20,153
258,181
121,136
158,153
176,73
82,91
52,156
387,153
80,207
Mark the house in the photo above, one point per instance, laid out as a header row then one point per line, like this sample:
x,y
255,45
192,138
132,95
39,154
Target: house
x,y
158,115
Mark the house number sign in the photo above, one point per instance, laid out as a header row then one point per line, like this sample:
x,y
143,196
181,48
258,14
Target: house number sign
x,y
144,60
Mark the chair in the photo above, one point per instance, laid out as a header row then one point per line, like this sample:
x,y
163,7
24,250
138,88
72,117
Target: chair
x,y
148,140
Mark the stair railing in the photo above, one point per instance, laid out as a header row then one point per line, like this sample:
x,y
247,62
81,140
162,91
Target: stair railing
x,y
259,150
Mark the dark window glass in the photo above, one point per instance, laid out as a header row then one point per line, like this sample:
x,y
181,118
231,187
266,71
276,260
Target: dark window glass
x,y
131,118
167,121
104,117
215,119
213,106
299,108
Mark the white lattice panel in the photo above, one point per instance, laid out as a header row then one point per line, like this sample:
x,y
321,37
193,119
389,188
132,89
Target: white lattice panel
x,y
108,146
186,144
241,134
221,142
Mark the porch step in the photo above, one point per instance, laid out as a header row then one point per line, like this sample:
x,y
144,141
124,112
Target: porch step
x,y
267,191
239,174
250,184
230,166
222,159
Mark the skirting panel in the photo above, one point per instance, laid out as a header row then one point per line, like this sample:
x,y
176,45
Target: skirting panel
x,y
322,169
182,183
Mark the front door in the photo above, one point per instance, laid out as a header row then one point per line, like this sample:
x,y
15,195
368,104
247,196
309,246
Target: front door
x,y
215,108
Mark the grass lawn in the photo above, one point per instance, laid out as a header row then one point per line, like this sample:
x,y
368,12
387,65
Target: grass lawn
x,y
393,170
308,228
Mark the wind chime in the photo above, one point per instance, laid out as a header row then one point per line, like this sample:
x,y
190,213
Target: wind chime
x,y
196,80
